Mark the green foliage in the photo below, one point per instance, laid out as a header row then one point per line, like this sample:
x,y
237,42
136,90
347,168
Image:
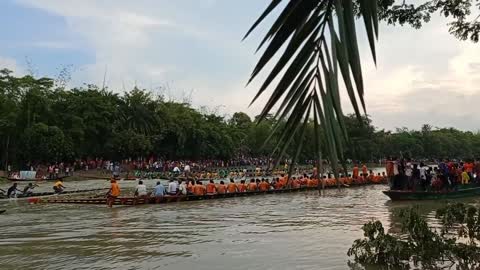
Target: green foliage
x,y
42,143
419,244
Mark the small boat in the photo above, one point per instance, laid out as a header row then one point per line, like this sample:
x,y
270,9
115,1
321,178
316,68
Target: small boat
x,y
2,211
406,195
37,179
44,194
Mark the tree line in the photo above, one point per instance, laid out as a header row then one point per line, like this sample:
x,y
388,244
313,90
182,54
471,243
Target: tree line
x,y
42,122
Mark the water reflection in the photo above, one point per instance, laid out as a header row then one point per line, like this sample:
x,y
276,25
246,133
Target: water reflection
x,y
303,230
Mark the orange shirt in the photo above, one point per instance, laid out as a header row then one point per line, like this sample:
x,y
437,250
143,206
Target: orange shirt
x,y
389,168
211,188
263,186
115,190
355,172
252,186
221,189
190,188
314,182
199,190
303,181
283,181
242,187
232,188
468,167
310,183
278,185
296,183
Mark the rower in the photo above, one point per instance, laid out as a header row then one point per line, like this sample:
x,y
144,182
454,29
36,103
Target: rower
x,y
263,186
190,186
242,187
232,187
28,190
113,193
221,189
141,190
58,187
211,189
12,191
199,189
252,186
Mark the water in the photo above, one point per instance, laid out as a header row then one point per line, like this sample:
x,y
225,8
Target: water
x,y
307,230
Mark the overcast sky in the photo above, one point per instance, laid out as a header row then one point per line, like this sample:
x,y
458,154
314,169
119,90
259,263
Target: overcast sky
x,y
193,48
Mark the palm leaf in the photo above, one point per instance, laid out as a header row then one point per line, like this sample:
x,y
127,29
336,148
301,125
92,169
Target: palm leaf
x,y
308,68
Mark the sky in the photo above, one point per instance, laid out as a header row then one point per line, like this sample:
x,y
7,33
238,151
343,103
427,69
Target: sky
x,y
193,50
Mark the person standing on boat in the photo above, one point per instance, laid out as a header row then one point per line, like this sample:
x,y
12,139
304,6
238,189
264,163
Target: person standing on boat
x,y
355,172
159,192
113,193
172,187
12,191
182,188
364,171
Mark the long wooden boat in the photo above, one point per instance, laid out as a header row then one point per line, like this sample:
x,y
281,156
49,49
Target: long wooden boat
x,y
37,179
462,192
45,194
179,198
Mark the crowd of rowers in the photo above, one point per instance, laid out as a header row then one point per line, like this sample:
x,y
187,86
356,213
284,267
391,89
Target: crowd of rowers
x,y
197,188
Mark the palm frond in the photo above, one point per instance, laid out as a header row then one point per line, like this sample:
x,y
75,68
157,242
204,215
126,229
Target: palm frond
x,y
321,40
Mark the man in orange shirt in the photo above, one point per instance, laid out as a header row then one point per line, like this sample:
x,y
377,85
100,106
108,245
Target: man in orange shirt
x,y
364,171
211,188
263,186
221,188
232,187
113,193
355,172
199,189
252,186
242,187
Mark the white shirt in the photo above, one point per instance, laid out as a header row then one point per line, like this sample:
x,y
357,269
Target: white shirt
x,y
408,169
176,169
183,189
172,187
423,173
187,168
142,190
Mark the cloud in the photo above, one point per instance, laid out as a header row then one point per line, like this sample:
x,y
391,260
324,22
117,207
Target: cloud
x,y
11,64
421,76
51,44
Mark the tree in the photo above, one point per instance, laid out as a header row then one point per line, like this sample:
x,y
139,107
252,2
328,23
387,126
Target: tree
x,y
42,143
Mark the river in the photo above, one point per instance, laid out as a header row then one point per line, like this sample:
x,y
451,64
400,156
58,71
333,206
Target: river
x,y
305,230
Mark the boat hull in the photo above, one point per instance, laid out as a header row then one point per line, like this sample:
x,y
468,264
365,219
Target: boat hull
x,y
400,195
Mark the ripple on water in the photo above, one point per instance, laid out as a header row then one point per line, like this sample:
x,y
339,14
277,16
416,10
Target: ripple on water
x,y
307,230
